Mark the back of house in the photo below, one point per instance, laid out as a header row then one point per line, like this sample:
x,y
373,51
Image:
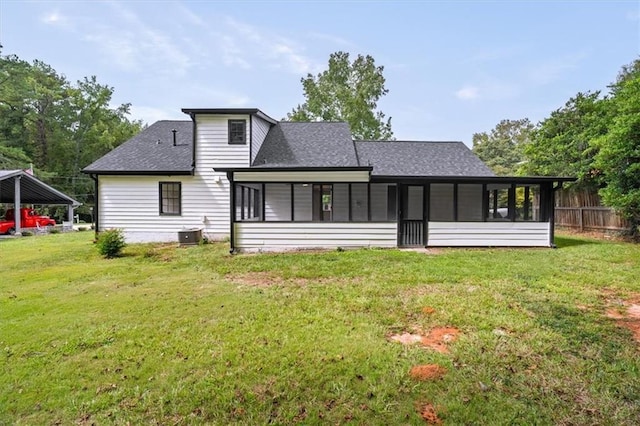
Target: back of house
x,y
269,185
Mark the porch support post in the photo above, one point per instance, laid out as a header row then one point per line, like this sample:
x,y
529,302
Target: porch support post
x,y
485,202
70,214
512,202
232,213
16,205
262,203
455,202
426,199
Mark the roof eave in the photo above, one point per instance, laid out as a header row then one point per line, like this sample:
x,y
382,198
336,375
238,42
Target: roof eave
x,y
297,169
139,172
250,111
484,179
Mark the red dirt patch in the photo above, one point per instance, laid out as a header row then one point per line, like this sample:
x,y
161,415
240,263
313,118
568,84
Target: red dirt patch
x,y
428,310
626,313
437,338
427,372
429,415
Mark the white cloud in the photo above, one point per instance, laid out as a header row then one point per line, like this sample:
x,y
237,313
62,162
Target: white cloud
x,y
468,93
489,89
261,45
55,18
126,41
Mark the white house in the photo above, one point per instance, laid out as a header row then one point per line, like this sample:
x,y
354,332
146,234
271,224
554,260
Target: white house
x,y
269,185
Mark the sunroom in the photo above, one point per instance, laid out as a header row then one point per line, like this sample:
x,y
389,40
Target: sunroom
x,y
347,207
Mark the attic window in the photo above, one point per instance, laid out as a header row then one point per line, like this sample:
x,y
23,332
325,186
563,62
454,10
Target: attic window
x,y
237,132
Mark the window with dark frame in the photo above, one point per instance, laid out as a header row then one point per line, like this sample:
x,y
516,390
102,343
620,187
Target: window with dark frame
x,y
170,198
248,203
237,132
315,202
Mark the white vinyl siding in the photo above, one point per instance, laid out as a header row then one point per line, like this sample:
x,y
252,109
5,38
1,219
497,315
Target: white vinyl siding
x,y
210,192
279,236
302,176
132,203
340,202
303,203
259,130
477,234
277,204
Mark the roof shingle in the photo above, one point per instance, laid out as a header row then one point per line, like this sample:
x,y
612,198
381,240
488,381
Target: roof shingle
x,y
316,144
412,158
151,151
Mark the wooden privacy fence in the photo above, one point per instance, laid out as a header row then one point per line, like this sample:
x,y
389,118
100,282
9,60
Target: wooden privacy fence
x,y
590,218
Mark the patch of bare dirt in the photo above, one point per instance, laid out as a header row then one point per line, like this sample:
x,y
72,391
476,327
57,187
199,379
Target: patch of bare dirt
x,y
255,279
429,414
437,338
626,312
427,372
428,310
269,279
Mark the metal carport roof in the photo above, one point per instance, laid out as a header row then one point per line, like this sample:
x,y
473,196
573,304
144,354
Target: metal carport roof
x,y
32,190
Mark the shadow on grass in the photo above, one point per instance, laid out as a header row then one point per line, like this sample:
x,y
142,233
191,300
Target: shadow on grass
x,y
563,242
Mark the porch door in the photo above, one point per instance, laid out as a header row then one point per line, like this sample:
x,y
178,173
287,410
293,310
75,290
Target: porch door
x,y
411,216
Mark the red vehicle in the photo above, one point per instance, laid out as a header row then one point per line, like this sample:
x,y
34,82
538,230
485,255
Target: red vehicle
x,y
28,219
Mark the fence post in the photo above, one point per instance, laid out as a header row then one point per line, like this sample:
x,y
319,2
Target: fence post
x,y
581,219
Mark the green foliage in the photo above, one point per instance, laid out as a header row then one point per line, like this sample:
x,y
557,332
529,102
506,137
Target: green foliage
x,y
502,148
347,91
563,144
58,126
594,138
110,243
618,157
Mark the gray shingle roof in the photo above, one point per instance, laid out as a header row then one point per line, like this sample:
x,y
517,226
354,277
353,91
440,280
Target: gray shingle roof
x,y
151,151
316,144
399,158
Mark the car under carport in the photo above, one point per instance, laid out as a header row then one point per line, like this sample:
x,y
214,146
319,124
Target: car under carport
x,y
19,187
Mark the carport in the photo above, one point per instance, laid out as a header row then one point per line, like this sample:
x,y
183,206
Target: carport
x,y
18,187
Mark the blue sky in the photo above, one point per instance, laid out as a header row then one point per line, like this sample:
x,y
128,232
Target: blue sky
x,y
453,68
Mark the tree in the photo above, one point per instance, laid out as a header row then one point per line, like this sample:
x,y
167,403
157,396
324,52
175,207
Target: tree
x,y
347,91
58,126
618,156
502,148
563,144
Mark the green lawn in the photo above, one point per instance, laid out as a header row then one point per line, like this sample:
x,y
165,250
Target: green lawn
x,y
169,335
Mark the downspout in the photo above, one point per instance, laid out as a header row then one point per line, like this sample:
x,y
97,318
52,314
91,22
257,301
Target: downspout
x,y
96,205
16,206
